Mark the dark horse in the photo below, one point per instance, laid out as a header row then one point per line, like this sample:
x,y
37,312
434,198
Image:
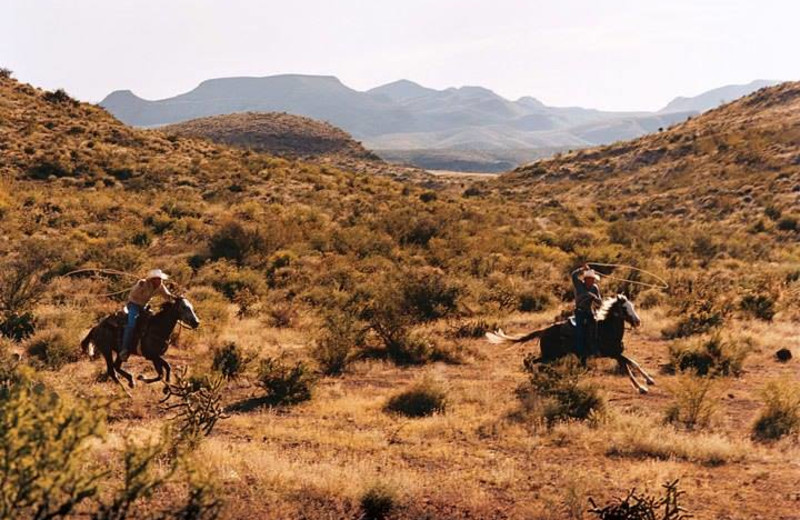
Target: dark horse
x,y
558,340
106,336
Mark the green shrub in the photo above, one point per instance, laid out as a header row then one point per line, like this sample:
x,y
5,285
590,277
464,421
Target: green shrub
x,y
59,96
18,326
700,318
282,315
44,445
54,348
428,294
422,399
788,223
760,306
781,413
695,401
341,335
285,384
710,356
230,361
534,300
557,391
378,502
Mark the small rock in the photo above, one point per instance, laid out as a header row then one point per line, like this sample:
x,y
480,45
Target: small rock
x,y
783,355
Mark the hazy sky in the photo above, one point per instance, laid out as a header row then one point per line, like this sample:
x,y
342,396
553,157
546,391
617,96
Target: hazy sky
x,y
610,54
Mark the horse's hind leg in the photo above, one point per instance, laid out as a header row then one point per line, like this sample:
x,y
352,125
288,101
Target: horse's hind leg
x,y
635,365
123,373
112,373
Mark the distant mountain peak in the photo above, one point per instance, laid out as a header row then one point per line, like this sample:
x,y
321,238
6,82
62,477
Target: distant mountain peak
x,y
401,90
715,97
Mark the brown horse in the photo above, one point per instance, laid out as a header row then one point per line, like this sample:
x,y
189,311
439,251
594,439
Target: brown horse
x,y
558,340
106,336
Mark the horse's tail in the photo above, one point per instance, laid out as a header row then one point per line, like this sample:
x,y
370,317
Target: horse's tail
x,y
87,345
497,337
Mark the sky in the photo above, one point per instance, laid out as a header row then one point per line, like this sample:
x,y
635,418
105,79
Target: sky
x,y
607,54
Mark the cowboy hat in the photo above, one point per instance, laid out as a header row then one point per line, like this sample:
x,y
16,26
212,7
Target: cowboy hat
x,y
590,273
156,273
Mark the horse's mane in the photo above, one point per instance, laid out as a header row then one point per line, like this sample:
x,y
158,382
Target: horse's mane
x,y
607,305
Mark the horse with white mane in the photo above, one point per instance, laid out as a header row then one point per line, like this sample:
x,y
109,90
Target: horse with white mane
x,y
558,340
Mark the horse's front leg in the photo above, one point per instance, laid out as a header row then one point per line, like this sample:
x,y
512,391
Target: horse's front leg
x,y
159,371
635,365
636,384
167,367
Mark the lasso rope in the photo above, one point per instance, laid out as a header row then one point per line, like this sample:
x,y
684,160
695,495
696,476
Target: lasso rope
x,y
663,284
104,271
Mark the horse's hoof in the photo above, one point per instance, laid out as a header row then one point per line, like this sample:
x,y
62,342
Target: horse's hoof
x,y
642,390
140,377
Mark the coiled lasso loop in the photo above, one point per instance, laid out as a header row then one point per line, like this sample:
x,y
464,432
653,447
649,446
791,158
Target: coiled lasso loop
x,y
662,284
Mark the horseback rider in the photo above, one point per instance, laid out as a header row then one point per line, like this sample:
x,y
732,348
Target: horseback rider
x,y
587,296
141,294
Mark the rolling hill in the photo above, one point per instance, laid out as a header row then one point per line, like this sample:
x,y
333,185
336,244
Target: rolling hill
x,y
275,133
469,127
735,163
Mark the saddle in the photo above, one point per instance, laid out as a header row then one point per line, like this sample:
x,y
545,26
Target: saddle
x,y
119,320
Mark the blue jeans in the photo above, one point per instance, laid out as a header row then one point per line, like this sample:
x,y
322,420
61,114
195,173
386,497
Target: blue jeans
x,y
133,315
584,321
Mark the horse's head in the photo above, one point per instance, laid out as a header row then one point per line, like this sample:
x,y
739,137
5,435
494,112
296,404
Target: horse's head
x,y
186,312
622,308
628,310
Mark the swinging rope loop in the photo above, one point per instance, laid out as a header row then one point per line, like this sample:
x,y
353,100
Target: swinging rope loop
x,y
104,271
663,283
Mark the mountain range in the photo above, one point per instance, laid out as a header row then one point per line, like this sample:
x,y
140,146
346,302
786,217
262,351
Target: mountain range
x,y
468,128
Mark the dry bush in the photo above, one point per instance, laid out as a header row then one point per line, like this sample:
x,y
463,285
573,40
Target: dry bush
x,y
640,506
338,341
695,403
285,384
714,355
378,502
147,469
425,397
781,413
558,391
281,315
471,329
230,361
196,406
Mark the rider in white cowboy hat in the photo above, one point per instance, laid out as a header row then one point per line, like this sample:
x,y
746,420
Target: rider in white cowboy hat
x,y
587,295
141,294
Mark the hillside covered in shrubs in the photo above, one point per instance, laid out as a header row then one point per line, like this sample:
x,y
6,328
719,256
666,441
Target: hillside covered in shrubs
x,y
342,312
280,134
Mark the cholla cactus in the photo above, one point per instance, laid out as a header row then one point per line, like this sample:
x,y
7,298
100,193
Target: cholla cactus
x,y
196,403
644,507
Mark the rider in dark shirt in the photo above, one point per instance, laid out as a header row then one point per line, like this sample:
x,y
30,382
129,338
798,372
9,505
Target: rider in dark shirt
x,y
587,295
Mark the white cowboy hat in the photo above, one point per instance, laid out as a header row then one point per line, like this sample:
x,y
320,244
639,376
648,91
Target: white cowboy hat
x,y
156,273
590,273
